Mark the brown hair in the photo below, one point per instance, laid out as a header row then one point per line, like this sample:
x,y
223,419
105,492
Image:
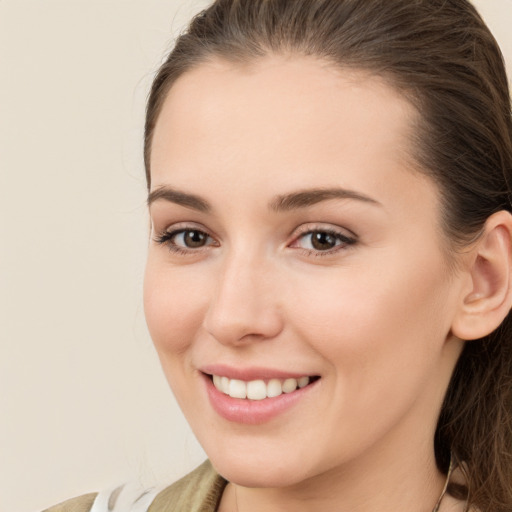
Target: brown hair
x,y
443,57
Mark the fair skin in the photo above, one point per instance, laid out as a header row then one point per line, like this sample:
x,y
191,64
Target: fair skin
x,y
352,289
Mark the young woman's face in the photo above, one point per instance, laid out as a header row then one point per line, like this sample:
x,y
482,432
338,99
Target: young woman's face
x,y
292,243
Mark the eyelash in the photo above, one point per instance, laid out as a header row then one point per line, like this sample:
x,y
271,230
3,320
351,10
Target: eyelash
x,y
166,238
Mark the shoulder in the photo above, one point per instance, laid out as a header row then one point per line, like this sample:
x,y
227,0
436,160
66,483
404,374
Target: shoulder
x,y
80,504
200,490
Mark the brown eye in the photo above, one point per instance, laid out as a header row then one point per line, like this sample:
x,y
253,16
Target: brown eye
x,y
182,240
191,238
322,241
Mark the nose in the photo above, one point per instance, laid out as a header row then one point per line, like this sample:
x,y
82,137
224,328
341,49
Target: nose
x,y
244,304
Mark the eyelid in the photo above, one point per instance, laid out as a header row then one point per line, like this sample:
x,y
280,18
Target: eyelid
x,y
172,226
324,226
182,226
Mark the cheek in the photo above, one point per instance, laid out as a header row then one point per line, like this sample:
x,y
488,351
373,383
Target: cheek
x,y
375,320
174,305
382,335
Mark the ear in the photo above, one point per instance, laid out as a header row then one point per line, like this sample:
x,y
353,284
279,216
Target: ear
x,y
487,296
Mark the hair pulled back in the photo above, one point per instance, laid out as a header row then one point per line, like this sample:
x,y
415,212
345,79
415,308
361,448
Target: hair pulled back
x,y
442,56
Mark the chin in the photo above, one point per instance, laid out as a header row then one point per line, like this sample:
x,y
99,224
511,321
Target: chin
x,y
258,475
258,463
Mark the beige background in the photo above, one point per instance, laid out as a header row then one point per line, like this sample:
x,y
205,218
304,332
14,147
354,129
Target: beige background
x,y
83,403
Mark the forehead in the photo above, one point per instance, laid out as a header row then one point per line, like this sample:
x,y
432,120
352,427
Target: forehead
x,y
282,121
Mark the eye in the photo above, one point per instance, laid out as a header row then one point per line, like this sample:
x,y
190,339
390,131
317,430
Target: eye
x,y
185,240
190,238
323,241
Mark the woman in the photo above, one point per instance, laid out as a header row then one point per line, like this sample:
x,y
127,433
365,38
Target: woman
x,y
329,273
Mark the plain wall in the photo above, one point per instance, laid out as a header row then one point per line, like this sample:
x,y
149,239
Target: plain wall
x,y
83,402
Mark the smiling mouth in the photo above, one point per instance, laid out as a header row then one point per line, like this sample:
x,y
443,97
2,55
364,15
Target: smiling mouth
x,y
259,389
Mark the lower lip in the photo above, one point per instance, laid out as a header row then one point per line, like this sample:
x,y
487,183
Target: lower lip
x,y
253,412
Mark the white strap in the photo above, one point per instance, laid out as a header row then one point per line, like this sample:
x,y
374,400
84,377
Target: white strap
x,y
126,498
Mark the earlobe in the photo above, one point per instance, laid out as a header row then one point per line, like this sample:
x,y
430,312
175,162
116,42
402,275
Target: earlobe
x,y
489,299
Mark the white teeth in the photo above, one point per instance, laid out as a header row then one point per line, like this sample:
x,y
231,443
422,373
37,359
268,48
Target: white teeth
x,y
303,382
258,389
274,388
224,385
237,389
289,385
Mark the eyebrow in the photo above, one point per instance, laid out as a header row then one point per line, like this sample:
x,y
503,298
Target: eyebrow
x,y
281,203
305,198
178,197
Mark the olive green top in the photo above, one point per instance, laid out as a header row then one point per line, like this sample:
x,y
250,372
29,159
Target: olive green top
x,y
199,491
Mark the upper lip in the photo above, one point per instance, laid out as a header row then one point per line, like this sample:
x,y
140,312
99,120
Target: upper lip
x,y
251,373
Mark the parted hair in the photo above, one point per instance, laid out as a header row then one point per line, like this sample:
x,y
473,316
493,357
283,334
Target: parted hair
x,y
443,58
